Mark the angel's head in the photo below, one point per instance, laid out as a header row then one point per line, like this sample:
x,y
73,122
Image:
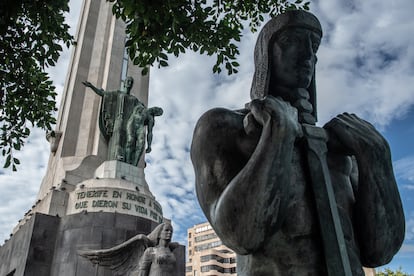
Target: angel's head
x,y
163,231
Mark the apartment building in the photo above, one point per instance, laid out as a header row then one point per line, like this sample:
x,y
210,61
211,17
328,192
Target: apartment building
x,y
207,256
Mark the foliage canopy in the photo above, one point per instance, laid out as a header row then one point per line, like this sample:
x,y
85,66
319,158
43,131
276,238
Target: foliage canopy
x,y
389,272
157,28
30,33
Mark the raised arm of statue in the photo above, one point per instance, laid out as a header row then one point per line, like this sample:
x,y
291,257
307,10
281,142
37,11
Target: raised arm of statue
x,y
98,91
231,165
377,199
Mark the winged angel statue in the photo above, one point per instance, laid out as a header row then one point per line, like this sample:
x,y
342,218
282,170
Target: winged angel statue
x,y
141,255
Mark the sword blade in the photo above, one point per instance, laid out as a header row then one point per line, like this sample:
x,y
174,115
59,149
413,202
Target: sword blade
x,y
336,255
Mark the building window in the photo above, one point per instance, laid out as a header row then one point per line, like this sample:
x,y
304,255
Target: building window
x,y
205,258
203,228
217,268
207,245
124,68
217,258
205,237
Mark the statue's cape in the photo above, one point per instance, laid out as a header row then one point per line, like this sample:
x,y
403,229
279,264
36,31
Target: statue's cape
x,y
114,104
123,258
116,108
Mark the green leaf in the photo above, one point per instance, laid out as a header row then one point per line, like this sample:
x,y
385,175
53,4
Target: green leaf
x,y
163,63
8,161
176,25
16,146
163,56
144,71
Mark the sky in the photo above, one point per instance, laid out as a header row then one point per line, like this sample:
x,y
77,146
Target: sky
x,y
365,66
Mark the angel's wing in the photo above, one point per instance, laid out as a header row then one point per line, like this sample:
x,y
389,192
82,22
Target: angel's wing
x,y
122,258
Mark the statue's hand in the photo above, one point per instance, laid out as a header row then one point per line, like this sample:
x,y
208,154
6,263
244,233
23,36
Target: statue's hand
x,y
274,111
87,84
351,135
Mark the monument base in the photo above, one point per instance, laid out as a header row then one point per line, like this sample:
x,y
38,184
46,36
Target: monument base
x,y
48,245
109,186
97,205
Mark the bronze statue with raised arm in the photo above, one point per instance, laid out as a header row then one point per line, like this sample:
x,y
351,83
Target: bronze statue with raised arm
x,y
124,121
291,198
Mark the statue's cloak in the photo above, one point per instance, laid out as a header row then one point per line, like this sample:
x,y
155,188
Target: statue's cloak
x,y
116,109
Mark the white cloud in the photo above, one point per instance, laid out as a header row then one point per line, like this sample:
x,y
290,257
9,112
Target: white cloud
x,y
408,187
19,189
407,249
365,63
409,228
404,168
186,90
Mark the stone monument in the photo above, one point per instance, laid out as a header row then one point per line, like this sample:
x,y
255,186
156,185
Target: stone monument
x,y
94,194
122,121
291,198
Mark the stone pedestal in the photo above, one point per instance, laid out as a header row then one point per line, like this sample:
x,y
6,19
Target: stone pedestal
x,y
111,186
117,188
48,245
96,207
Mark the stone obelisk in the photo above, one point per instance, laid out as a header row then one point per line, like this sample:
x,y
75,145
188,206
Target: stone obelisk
x,y
100,58
86,200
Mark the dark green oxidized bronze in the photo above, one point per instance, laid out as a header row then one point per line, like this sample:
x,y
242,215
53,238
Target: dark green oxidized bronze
x,y
123,122
291,198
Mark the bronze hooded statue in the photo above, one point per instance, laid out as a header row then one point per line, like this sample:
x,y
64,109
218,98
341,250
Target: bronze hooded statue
x,y
291,198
